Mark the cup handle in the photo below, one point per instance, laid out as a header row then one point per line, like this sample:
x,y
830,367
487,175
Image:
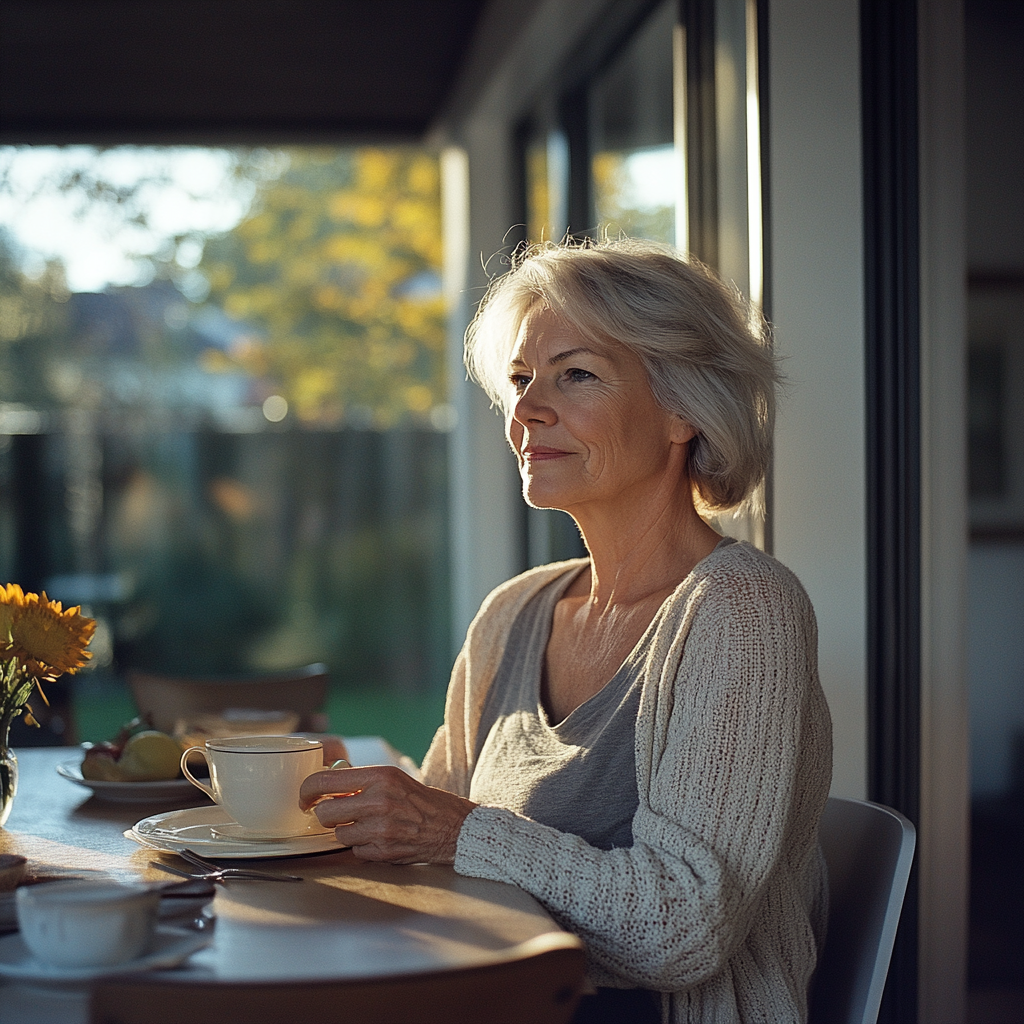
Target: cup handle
x,y
191,778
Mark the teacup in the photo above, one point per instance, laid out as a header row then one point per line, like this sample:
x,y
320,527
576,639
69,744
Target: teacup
x,y
79,923
256,779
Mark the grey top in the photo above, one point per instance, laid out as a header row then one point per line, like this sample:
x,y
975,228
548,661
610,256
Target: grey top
x,y
578,776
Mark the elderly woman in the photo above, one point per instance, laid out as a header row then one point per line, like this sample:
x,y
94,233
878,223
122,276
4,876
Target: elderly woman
x,y
637,738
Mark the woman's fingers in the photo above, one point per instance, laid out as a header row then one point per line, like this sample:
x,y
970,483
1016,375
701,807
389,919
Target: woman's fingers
x,y
329,783
383,814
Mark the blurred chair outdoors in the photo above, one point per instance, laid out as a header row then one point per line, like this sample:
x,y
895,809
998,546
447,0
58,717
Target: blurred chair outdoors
x,y
537,982
869,849
176,704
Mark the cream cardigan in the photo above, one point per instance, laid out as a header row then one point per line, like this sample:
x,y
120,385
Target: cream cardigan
x,y
720,902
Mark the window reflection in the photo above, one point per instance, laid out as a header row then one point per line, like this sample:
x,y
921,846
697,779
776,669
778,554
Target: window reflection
x,y
547,182
634,169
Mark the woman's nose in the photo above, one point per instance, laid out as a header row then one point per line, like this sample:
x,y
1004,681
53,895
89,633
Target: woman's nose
x,y
533,407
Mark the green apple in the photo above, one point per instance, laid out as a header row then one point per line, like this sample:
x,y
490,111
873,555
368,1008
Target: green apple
x,y
150,756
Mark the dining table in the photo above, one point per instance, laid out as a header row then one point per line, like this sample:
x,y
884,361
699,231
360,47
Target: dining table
x,y
346,919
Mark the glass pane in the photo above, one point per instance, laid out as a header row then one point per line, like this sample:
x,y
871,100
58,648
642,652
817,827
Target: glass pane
x,y
634,168
223,418
547,171
738,147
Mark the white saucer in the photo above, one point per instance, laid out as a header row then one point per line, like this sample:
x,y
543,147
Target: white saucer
x,y
170,947
234,832
197,828
130,792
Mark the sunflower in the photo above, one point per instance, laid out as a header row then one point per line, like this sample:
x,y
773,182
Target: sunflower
x,y
46,640
11,598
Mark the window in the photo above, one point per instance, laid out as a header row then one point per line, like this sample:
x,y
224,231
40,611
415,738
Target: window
x,y
223,419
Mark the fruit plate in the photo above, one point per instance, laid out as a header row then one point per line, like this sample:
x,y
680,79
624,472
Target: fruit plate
x,y
174,790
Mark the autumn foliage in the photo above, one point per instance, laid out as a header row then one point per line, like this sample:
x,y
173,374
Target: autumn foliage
x,y
336,271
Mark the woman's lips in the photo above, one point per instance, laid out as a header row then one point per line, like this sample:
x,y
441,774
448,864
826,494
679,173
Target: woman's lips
x,y
540,454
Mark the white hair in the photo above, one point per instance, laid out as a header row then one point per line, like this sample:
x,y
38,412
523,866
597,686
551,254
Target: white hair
x,y
706,352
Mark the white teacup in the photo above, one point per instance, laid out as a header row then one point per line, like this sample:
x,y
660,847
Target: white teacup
x,y
83,923
256,779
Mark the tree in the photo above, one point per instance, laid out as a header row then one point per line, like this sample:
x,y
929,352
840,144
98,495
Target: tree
x,y
336,272
33,316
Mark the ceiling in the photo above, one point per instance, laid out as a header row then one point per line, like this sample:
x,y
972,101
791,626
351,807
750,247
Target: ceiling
x,y
228,70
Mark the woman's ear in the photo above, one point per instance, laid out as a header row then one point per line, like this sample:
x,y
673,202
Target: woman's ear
x,y
680,430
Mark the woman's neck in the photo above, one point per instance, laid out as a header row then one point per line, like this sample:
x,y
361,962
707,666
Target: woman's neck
x,y
642,550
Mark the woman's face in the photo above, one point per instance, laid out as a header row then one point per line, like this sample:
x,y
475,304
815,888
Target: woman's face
x,y
584,423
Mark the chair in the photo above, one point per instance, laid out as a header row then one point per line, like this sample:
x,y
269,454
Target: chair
x,y
869,849
537,982
167,699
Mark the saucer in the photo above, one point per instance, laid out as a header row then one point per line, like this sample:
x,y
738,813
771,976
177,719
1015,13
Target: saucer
x,y
170,947
198,828
233,831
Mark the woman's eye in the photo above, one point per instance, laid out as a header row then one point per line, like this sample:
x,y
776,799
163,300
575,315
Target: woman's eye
x,y
519,382
577,375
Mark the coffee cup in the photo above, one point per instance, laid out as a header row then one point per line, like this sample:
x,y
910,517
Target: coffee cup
x,y
80,923
256,779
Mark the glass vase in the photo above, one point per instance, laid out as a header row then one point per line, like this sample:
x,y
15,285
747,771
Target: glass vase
x,y
8,772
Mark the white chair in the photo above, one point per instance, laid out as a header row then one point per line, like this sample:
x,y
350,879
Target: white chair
x,y
869,849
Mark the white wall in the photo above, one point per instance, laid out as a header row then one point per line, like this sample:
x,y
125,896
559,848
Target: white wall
x,y
817,306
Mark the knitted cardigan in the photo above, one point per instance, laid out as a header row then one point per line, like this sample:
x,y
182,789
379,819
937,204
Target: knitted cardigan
x,y
720,903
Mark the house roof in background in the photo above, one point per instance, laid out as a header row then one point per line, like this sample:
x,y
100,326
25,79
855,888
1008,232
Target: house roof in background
x,y
229,70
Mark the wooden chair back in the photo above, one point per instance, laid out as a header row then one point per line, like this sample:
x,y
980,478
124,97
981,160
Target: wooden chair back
x,y
538,982
166,699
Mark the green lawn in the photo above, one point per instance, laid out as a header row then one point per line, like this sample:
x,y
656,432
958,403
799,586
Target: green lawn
x,y
408,723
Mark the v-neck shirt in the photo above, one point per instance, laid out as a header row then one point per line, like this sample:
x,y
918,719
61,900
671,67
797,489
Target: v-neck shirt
x,y
578,775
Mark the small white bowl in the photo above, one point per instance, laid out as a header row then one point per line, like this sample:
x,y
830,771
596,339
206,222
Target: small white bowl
x,y
76,924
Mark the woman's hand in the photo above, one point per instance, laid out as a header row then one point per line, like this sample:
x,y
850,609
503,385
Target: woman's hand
x,y
386,815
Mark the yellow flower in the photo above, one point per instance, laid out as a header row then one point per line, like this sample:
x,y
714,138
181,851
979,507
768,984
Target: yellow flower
x,y
46,640
12,598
